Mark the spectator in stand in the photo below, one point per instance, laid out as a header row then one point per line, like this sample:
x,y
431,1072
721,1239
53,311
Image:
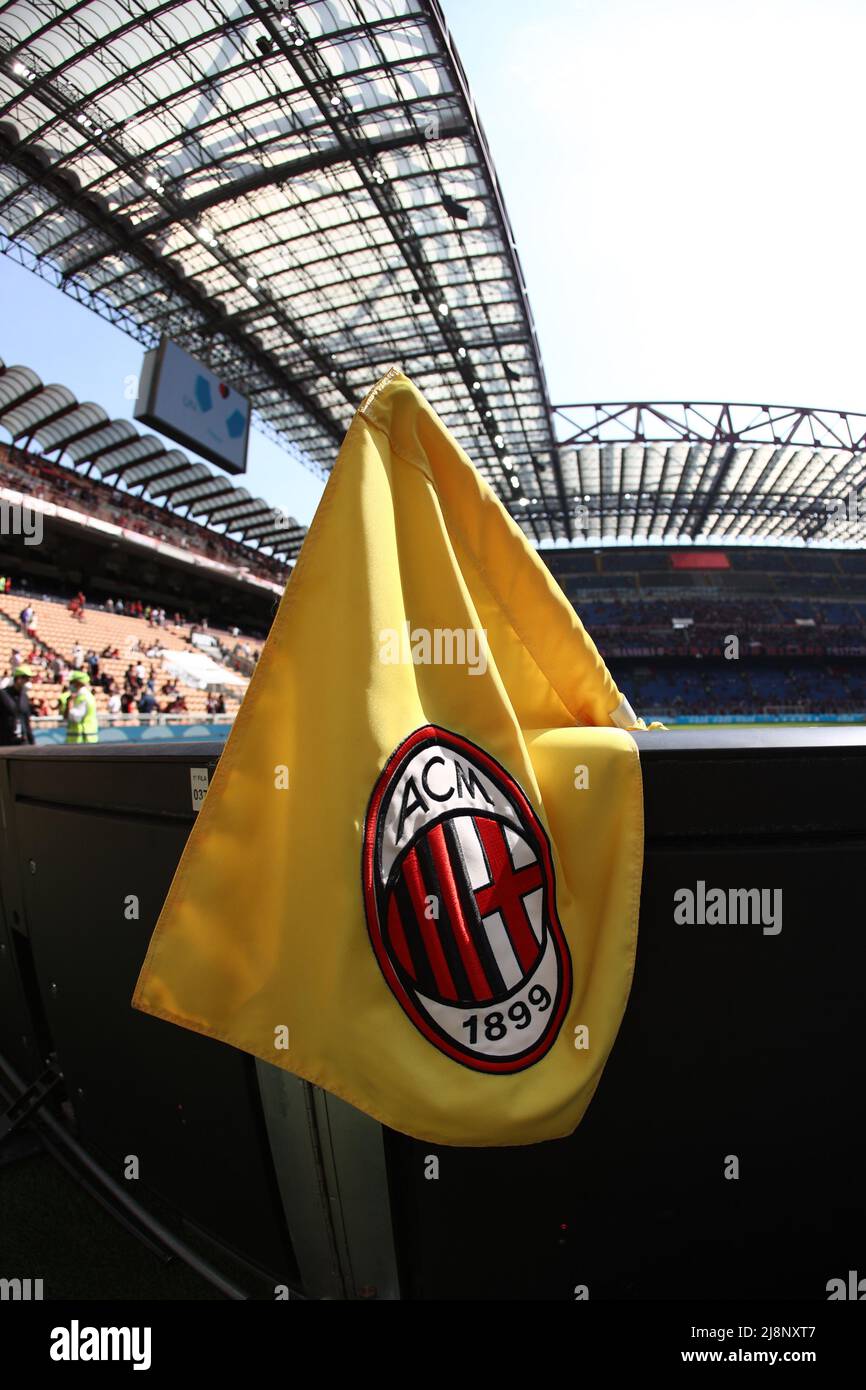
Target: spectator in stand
x,y
114,705
140,673
25,618
92,663
147,704
2,583
15,710
127,702
177,706
120,605
109,652
109,605
42,710
170,687
15,657
57,670
77,655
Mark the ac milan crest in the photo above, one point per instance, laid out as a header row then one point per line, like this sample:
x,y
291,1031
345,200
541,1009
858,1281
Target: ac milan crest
x,y
461,904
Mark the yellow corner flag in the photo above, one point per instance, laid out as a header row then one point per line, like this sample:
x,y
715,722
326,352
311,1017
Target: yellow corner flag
x,y
415,878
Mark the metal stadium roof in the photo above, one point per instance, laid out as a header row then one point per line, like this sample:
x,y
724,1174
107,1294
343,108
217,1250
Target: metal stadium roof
x,y
299,193
51,418
776,474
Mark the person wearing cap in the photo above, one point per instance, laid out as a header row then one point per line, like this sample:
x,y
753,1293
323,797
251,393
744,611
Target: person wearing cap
x,y
15,710
82,725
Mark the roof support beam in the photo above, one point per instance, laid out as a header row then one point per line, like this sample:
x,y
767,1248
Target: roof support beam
x,y
90,211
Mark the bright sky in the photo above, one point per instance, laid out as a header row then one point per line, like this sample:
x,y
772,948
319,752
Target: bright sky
x,y
684,184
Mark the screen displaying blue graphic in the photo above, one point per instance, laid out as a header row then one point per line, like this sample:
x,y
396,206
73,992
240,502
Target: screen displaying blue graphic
x,y
183,399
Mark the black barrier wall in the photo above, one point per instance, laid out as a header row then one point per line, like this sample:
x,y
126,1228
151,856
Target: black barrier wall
x,y
742,1051
736,1044
85,835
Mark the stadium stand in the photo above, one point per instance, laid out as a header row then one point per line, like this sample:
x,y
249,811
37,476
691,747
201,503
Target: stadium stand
x,y
798,618
83,433
664,617
135,640
38,477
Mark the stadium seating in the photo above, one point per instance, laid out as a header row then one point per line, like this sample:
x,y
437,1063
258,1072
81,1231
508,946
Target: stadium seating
x,y
665,628
133,637
744,689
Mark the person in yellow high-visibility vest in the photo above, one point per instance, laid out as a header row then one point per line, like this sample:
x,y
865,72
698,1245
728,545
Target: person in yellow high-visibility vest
x,y
82,725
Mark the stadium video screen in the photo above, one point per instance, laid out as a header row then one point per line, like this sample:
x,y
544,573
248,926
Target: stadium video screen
x,y
184,399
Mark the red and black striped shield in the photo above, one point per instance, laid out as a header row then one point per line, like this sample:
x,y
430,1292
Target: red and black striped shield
x,y
461,904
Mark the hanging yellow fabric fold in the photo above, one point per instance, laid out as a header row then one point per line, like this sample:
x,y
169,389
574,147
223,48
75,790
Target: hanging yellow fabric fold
x,y
415,877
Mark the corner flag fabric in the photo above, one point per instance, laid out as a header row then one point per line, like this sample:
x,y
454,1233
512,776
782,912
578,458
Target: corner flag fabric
x,y
415,877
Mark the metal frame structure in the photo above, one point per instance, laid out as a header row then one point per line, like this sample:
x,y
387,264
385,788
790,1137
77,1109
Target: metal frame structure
x,y
300,193
644,472
52,419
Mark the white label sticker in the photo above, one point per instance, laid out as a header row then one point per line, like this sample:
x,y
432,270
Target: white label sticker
x,y
198,784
